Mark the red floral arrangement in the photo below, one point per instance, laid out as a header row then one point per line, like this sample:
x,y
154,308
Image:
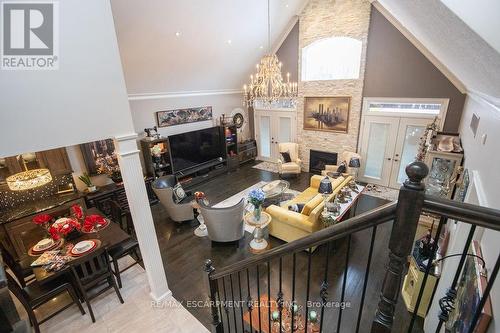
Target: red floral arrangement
x,y
42,219
58,230
77,211
93,221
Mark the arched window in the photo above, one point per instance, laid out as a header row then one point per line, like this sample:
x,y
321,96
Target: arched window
x,y
334,58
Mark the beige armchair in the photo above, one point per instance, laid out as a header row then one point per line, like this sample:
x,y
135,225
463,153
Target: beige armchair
x,y
293,167
344,157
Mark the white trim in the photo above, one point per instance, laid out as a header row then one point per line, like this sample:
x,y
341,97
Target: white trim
x,y
285,33
435,61
442,113
475,181
174,94
161,297
125,137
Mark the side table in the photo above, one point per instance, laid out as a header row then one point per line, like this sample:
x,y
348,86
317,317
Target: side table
x,y
258,243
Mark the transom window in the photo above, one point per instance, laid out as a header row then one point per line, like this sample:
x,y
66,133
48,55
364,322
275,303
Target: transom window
x,y
334,58
421,108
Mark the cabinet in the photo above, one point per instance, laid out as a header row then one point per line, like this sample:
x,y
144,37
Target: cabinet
x,y
56,160
156,165
411,287
443,172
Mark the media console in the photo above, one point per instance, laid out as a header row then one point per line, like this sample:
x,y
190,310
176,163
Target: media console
x,y
201,173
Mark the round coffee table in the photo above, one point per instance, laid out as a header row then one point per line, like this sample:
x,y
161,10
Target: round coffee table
x,y
258,243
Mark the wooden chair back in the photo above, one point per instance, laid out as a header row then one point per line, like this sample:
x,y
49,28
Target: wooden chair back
x,y
91,268
14,266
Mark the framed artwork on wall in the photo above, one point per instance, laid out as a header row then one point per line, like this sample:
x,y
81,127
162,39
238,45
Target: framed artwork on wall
x,y
329,114
183,116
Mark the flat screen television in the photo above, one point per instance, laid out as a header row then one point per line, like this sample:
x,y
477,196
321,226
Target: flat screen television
x,y
191,149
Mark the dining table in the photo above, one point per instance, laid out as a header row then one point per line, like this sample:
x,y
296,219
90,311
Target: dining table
x,y
108,237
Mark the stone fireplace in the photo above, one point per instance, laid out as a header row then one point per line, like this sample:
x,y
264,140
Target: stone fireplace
x,y
318,160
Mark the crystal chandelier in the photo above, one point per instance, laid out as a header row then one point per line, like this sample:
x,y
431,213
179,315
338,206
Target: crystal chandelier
x,y
267,85
28,179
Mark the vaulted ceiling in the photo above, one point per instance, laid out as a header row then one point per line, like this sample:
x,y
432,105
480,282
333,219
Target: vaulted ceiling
x,y
171,46
462,44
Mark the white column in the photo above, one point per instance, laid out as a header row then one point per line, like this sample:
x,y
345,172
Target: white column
x,y
133,180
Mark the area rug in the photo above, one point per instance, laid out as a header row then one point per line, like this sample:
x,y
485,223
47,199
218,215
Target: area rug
x,y
267,166
381,192
233,200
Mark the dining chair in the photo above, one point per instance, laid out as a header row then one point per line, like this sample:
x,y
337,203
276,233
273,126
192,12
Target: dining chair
x,y
129,246
21,268
36,294
91,271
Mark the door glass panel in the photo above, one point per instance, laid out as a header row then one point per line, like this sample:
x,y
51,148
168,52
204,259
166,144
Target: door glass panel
x,y
265,136
285,128
410,147
377,140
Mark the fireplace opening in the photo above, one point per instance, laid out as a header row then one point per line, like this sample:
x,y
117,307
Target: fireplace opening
x,y
318,160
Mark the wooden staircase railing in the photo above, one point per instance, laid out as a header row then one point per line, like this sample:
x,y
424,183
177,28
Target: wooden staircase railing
x,y
226,284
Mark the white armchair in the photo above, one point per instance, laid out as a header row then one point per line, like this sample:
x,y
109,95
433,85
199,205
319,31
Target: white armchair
x,y
293,167
344,157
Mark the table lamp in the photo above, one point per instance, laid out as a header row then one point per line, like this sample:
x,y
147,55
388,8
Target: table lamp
x,y
355,164
325,189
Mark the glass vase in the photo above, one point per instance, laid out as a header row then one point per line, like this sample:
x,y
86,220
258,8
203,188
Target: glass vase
x,y
257,212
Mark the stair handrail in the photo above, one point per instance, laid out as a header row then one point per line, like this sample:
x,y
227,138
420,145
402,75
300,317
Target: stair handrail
x,y
357,223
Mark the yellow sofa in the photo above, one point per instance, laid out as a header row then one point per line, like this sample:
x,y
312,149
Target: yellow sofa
x,y
289,225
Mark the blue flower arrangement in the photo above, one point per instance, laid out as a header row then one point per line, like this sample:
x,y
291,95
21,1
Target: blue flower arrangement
x,y
256,197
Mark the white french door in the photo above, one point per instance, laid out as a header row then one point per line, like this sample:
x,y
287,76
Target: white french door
x,y
388,145
377,148
271,128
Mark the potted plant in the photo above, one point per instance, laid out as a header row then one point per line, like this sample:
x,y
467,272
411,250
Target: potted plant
x,y
85,178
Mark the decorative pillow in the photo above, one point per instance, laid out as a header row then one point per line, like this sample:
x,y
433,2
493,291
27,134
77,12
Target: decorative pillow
x,y
296,207
342,167
179,193
286,157
309,207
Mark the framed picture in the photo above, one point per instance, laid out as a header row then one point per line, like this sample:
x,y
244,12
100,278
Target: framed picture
x,y
470,290
94,153
330,114
183,116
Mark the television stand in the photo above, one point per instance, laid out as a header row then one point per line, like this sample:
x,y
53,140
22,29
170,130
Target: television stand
x,y
201,173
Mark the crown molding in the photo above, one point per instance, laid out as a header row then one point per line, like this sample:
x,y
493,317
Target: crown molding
x,y
421,47
176,94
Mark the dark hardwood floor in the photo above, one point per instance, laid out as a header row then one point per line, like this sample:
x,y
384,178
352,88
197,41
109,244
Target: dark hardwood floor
x,y
184,255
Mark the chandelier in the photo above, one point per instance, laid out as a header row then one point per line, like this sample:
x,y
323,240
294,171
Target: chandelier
x,y
28,179
267,85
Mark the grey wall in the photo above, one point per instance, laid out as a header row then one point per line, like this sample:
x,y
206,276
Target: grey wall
x,y
396,68
288,54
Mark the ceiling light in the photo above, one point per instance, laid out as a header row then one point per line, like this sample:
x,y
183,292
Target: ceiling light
x,y
261,47
286,5
229,41
177,34
268,85
28,179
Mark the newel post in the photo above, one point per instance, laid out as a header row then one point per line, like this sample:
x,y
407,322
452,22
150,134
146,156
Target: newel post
x,y
212,287
409,207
